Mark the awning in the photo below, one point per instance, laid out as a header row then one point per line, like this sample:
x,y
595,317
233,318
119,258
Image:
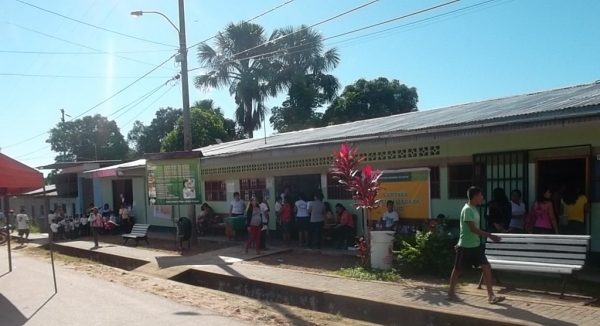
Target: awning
x,y
17,178
116,170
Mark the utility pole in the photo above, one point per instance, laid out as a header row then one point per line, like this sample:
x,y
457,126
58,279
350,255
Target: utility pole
x,y
185,91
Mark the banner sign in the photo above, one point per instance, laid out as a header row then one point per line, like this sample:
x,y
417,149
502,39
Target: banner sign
x,y
173,182
409,190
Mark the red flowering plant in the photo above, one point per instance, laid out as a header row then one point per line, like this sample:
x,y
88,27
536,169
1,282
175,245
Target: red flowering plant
x,y
364,187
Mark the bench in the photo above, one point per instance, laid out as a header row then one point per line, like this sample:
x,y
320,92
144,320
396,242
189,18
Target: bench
x,y
218,227
538,253
138,232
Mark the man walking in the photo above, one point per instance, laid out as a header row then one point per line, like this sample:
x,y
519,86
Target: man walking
x,y
469,252
23,226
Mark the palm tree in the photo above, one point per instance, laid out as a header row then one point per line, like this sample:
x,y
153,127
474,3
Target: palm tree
x,y
303,63
237,61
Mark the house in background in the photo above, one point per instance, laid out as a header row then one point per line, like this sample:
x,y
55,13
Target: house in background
x,y
70,183
33,202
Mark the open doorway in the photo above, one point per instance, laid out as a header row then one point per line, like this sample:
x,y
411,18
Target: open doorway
x,y
561,172
306,184
122,193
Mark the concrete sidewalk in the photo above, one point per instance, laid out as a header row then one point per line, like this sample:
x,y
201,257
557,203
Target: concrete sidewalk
x,y
544,310
27,298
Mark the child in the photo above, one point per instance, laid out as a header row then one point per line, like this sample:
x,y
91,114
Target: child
x,y
76,226
54,228
84,230
285,220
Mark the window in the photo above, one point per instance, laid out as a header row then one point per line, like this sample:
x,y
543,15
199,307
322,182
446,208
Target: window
x,y
596,182
215,191
252,188
42,213
460,178
32,211
336,190
434,182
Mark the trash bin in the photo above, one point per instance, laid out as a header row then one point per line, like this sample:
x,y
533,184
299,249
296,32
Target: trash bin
x,y
382,244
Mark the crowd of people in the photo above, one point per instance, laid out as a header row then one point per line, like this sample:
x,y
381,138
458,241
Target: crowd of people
x,y
553,211
306,216
94,222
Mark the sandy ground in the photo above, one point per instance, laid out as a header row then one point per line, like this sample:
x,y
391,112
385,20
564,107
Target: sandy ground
x,y
248,310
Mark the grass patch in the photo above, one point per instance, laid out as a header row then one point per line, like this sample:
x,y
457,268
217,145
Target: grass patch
x,y
369,274
34,228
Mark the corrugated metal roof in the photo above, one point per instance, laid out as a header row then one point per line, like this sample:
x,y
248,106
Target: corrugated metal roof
x,y
575,100
111,170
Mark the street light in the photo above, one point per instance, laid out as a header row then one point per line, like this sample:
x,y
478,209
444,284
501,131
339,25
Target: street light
x,y
185,92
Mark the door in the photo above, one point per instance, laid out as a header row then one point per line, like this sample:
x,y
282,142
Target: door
x,y
506,170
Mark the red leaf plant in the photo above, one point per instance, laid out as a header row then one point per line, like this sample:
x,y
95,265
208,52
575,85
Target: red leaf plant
x,y
364,186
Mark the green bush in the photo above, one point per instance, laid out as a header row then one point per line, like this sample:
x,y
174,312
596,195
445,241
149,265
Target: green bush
x,y
390,275
430,254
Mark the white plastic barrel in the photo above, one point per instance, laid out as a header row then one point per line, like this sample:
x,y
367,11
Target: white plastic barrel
x,y
382,244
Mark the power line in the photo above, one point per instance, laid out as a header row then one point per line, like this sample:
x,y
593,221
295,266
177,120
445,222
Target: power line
x,y
75,76
80,45
147,107
97,105
420,21
277,52
91,25
85,53
311,26
247,21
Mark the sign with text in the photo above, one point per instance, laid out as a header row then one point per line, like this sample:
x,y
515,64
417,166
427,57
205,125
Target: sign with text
x,y
409,190
173,182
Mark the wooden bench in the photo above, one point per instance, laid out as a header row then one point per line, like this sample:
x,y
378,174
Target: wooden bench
x,y
538,253
138,232
218,227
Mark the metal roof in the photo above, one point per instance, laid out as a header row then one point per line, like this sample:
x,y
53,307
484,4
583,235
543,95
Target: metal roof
x,y
571,101
114,169
62,165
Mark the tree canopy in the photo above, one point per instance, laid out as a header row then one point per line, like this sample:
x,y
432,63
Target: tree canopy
x,y
207,127
368,99
88,138
148,139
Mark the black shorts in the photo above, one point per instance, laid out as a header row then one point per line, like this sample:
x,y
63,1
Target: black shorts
x,y
469,257
302,223
23,232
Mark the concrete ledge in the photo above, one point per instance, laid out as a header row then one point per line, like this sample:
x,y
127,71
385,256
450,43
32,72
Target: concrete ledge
x,y
386,313
121,262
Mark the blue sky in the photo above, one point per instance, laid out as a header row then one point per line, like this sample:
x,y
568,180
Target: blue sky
x,y
498,49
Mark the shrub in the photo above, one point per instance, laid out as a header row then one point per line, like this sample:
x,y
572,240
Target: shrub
x,y
430,254
364,274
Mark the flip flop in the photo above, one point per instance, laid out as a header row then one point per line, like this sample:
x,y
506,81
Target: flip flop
x,y
496,300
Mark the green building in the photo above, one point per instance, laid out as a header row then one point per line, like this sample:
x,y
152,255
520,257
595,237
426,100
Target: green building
x,y
519,142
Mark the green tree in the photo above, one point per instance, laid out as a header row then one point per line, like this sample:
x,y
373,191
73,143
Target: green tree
x,y
148,138
88,138
234,132
207,127
302,70
368,99
238,62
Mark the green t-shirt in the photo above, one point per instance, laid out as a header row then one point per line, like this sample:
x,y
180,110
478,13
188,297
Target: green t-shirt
x,y
467,238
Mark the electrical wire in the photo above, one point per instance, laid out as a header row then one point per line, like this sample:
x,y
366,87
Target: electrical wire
x,y
80,45
85,53
246,21
311,26
132,105
147,107
91,25
415,24
97,105
75,76
278,52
